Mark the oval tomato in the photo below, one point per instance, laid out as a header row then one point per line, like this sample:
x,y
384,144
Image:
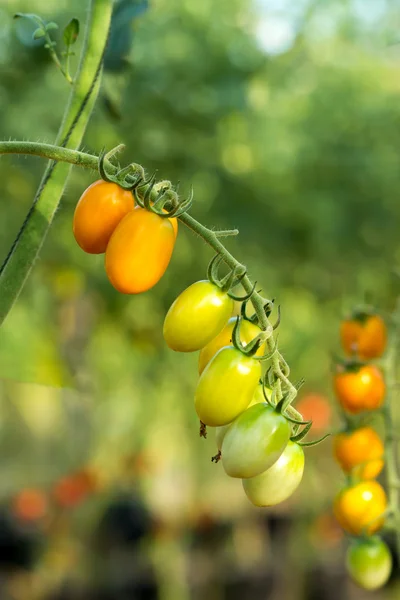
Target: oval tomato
x,y
369,563
98,212
139,251
196,317
364,335
258,396
360,452
226,386
278,482
361,507
361,388
254,441
30,504
248,331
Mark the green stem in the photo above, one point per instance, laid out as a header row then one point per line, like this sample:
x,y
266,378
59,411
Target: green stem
x,y
279,365
392,475
29,241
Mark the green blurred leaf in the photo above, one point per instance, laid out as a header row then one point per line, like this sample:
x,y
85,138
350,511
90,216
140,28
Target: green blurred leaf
x,y
38,33
71,32
51,26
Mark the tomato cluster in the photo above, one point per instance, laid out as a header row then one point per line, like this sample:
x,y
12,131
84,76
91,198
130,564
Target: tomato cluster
x,y
360,508
256,441
137,243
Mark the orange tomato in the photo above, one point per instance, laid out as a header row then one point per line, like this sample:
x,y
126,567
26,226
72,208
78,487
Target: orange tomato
x,y
248,331
360,508
139,251
315,408
73,489
360,388
30,504
360,452
364,336
99,210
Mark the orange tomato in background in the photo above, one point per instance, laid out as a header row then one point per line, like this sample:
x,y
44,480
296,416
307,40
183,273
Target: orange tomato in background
x,y
139,251
364,336
361,388
30,504
360,508
360,452
315,408
72,489
98,212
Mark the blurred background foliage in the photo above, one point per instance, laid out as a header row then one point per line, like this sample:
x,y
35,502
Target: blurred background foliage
x,y
285,117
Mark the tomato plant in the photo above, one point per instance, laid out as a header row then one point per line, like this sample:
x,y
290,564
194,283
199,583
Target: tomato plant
x,y
361,508
197,316
360,387
254,441
98,212
279,481
226,386
139,251
369,562
360,452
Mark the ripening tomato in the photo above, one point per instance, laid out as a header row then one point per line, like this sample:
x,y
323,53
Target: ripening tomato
x,y
369,563
361,388
278,482
364,335
226,386
30,504
254,441
248,331
72,489
360,452
361,507
258,396
139,251
99,210
197,316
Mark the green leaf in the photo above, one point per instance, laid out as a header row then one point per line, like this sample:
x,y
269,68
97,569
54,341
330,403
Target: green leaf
x,y
71,32
38,33
35,18
51,26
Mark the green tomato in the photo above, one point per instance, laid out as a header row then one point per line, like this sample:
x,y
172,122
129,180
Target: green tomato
x,y
226,386
278,482
369,563
196,317
254,441
258,396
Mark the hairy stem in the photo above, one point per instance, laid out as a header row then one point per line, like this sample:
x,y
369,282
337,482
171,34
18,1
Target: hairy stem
x,y
392,475
19,261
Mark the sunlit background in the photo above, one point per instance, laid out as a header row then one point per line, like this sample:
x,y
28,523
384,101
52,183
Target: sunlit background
x,y
285,118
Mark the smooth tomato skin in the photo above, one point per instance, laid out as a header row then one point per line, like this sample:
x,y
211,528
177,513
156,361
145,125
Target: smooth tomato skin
x,y
360,452
98,212
139,251
278,482
258,396
196,317
369,563
365,338
360,508
248,331
360,390
254,441
226,386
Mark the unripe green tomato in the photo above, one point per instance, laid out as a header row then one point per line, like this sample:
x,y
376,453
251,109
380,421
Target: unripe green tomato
x,y
226,386
248,331
278,482
254,441
369,563
198,315
258,396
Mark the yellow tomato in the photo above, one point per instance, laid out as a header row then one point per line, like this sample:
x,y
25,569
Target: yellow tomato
x,y
248,331
360,508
